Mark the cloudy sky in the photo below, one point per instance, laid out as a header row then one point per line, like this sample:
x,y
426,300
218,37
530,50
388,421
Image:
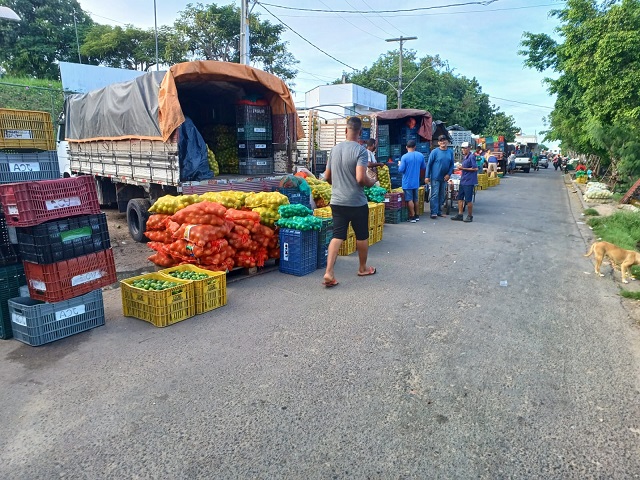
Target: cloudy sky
x,y
477,38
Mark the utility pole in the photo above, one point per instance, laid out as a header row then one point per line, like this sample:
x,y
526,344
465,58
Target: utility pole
x,y
155,21
401,40
244,32
75,24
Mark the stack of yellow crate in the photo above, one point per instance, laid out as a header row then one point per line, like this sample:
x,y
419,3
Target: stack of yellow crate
x,y
483,181
493,182
376,222
349,245
420,206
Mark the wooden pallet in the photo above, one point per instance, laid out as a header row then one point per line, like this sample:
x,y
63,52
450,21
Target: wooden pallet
x,y
631,193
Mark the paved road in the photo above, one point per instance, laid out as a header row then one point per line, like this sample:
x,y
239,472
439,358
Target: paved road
x,y
429,369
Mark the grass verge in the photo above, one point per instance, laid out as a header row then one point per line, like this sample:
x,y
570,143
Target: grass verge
x,y
592,212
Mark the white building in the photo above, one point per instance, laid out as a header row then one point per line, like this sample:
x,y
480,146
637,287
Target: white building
x,y
344,99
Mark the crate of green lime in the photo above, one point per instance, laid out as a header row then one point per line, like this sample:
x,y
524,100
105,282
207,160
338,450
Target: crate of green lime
x,y
210,288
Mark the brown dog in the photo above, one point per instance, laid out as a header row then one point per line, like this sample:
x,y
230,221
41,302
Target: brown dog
x,y
617,255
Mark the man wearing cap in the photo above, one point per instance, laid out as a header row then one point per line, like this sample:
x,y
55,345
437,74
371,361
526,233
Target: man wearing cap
x,y
410,165
468,181
439,169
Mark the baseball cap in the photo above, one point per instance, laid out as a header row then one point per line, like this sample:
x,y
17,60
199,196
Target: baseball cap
x,y
442,137
464,145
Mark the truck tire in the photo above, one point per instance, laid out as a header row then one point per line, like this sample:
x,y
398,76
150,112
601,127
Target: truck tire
x,y
137,216
525,170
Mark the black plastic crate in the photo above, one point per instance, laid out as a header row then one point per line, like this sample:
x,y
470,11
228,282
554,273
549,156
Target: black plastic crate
x,y
383,129
8,255
255,166
5,239
255,149
11,278
393,215
58,240
254,132
253,114
396,150
29,167
383,141
36,323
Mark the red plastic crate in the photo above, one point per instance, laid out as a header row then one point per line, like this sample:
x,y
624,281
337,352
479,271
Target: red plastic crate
x,y
33,203
393,200
70,278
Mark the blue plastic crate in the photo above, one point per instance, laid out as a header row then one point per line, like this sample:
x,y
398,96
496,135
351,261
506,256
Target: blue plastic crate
x,y
383,151
396,150
383,129
323,253
423,147
365,134
383,141
298,251
295,196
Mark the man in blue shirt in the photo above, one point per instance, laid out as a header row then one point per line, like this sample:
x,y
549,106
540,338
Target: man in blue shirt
x,y
410,165
468,181
439,169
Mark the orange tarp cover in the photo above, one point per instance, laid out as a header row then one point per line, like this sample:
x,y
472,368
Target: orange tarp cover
x,y
170,114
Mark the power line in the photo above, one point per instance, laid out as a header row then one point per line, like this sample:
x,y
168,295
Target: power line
x,y
354,25
484,3
522,103
367,19
313,45
382,17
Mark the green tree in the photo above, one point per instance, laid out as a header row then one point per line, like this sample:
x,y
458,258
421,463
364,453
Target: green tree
x,y
448,97
501,124
212,33
45,35
597,84
130,47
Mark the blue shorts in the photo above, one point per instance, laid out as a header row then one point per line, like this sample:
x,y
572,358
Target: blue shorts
x,y
465,192
410,194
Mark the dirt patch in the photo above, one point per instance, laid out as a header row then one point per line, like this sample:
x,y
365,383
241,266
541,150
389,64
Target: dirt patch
x,y
130,256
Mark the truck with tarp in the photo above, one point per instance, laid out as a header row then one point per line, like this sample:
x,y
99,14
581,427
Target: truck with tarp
x,y
165,133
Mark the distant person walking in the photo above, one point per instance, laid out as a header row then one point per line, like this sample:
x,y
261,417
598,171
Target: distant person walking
x,y
468,181
410,166
479,158
512,161
347,173
492,162
439,170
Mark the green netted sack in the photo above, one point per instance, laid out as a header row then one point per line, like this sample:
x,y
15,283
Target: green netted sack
x,y
301,223
294,210
375,194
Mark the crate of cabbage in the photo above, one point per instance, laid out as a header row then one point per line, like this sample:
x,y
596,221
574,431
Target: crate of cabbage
x,y
210,288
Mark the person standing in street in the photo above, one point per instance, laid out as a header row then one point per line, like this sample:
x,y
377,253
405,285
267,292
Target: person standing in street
x,y
479,158
468,182
347,173
410,166
512,161
492,162
439,170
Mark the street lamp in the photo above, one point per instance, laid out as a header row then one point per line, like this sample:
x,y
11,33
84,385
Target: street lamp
x,y
7,14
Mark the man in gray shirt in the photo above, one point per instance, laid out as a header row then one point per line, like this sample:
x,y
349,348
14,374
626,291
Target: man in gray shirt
x,y
347,173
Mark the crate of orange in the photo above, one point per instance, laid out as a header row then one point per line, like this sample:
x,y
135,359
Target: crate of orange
x,y
152,298
210,288
70,278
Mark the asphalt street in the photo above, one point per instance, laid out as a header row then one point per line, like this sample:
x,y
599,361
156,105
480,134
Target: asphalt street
x,y
428,369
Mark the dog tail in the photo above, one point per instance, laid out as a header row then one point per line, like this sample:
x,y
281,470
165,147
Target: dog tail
x,y
593,246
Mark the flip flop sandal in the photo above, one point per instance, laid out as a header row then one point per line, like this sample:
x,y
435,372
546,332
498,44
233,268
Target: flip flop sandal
x,y
331,283
371,271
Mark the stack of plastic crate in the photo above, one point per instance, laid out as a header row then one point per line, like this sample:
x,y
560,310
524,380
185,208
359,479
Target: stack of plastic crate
x,y
11,278
394,205
421,199
254,134
67,257
483,181
376,222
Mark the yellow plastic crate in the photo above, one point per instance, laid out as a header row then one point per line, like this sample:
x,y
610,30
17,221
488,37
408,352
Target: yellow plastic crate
x,y
372,235
160,308
380,232
420,203
210,293
324,212
493,182
24,129
348,246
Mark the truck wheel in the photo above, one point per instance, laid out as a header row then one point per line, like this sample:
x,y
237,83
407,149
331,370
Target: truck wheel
x,y
525,170
137,216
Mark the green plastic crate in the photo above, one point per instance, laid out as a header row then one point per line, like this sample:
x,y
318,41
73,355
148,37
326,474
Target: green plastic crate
x,y
11,278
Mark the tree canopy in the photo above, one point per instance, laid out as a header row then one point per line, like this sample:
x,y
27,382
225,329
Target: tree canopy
x,y
448,97
47,35
597,84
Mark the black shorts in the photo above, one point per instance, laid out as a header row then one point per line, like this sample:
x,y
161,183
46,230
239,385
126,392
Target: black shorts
x,y
357,216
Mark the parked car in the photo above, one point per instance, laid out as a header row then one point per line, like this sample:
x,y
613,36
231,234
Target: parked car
x,y
543,161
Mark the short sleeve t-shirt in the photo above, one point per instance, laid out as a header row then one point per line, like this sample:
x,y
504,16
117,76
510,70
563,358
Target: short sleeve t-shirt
x,y
342,163
410,165
469,178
